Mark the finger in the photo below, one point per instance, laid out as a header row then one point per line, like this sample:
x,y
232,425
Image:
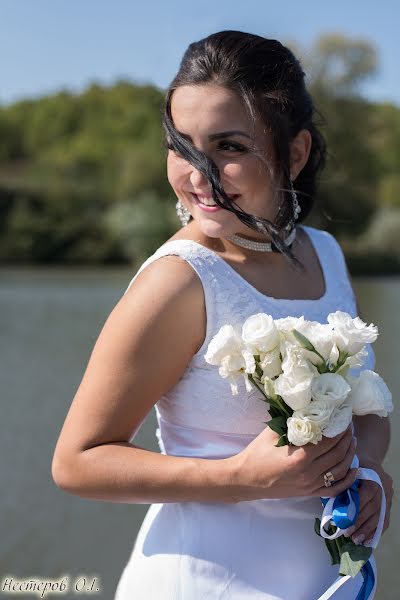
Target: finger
x,y
367,522
368,492
335,455
367,530
326,445
337,462
336,488
368,511
315,451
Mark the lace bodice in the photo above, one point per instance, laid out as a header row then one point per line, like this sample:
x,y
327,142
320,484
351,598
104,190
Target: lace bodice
x,y
201,400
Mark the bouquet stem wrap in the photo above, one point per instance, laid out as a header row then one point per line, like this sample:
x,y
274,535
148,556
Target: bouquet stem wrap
x,y
343,512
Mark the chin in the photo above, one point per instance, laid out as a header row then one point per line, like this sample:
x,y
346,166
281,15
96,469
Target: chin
x,y
213,229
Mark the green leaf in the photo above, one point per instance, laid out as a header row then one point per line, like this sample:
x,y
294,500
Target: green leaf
x,y
259,371
303,340
317,526
274,412
353,558
333,551
282,441
278,424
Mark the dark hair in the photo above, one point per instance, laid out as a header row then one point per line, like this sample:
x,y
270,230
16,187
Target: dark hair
x,y
270,81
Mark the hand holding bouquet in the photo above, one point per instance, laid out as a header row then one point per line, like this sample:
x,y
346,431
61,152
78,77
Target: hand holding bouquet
x,y
303,371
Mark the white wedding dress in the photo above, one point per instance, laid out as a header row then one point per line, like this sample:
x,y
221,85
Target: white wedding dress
x,y
258,550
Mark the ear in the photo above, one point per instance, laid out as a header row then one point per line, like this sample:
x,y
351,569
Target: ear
x,y
300,148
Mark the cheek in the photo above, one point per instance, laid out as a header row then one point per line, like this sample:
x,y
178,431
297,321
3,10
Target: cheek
x,y
177,171
247,173
233,170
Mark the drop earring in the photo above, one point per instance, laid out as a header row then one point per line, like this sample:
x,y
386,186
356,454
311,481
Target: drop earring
x,y
296,206
183,213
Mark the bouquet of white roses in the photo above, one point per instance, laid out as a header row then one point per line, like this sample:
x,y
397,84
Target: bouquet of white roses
x,y
302,370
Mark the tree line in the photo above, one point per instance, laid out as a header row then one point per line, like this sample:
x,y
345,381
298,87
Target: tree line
x,y
83,176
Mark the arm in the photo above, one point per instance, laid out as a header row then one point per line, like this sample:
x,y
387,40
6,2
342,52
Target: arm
x,y
142,351
371,427
123,472
373,439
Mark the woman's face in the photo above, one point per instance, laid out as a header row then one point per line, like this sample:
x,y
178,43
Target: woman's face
x,y
199,113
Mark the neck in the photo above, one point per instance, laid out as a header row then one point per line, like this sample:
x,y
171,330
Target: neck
x,y
239,253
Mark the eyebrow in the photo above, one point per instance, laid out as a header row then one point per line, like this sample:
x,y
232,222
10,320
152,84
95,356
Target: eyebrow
x,y
221,134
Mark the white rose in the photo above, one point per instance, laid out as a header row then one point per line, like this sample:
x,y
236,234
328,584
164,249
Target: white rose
x,y
321,337
285,327
331,387
296,394
370,395
351,334
357,359
340,419
260,334
302,431
294,384
271,363
226,349
225,342
318,411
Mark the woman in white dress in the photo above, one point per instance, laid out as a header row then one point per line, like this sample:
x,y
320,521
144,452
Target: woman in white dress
x,y
231,515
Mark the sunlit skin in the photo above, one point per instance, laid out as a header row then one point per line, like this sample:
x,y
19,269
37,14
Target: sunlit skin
x,y
201,111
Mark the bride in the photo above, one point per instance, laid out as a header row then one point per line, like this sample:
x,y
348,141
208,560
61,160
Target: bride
x,y
231,514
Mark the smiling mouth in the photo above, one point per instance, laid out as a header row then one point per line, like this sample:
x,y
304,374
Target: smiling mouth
x,y
210,201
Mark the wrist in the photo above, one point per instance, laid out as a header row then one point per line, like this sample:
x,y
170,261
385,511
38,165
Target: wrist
x,y
232,480
219,475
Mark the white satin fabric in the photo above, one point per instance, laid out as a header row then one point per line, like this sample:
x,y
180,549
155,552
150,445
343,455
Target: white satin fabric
x,y
263,549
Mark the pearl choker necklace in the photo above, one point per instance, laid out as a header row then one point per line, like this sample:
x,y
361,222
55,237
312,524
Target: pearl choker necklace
x,y
260,246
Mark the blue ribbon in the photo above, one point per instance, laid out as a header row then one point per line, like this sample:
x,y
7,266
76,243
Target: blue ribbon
x,y
348,502
349,499
368,583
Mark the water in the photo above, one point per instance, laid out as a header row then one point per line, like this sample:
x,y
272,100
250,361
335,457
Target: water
x,y
49,322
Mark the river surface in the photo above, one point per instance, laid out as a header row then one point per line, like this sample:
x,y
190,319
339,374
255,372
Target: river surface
x,y
49,322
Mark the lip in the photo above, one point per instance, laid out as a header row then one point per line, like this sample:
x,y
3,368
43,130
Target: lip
x,y
209,208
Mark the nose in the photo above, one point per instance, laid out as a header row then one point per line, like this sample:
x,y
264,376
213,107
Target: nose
x,y
198,180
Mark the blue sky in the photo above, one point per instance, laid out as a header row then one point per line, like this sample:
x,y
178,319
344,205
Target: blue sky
x,y
47,45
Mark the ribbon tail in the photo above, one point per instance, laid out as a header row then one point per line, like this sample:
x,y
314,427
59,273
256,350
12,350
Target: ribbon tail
x,y
368,585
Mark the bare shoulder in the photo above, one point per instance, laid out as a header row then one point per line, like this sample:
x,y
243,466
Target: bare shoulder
x,y
169,289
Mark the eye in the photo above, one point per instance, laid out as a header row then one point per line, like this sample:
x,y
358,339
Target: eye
x,y
232,147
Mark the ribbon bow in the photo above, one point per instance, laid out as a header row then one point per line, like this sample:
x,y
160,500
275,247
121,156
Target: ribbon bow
x,y
343,512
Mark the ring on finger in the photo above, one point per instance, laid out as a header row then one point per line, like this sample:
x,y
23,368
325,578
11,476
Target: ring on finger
x,y
328,479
